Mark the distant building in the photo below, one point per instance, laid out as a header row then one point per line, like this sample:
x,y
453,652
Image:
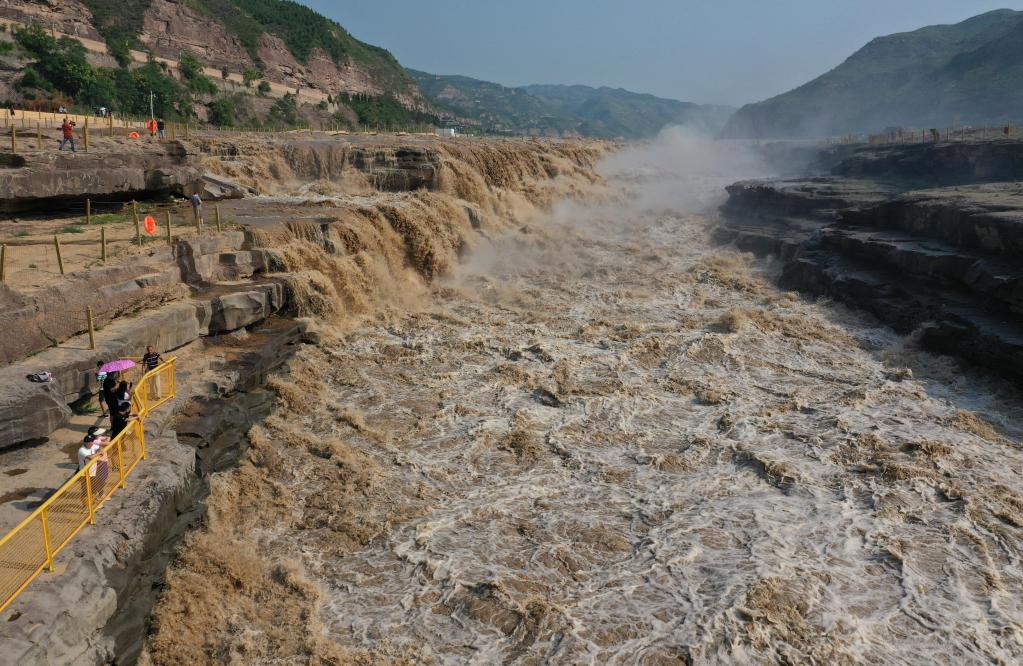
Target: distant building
x,y
446,131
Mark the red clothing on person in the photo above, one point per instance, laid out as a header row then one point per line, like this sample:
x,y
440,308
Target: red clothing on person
x,y
68,129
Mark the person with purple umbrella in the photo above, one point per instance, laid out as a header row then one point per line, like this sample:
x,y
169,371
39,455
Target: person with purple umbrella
x,y
111,384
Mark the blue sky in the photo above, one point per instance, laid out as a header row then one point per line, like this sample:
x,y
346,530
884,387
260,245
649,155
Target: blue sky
x,y
710,51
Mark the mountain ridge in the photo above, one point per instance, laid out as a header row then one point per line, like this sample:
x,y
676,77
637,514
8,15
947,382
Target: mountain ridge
x,y
936,76
565,108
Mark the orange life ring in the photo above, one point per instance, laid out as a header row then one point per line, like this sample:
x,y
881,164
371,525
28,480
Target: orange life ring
x,y
133,135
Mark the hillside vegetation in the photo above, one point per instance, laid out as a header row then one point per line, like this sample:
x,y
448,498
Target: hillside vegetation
x,y
298,26
938,76
596,112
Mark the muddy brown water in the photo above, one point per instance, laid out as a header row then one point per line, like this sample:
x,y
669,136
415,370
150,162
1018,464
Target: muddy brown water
x,y
626,447
591,438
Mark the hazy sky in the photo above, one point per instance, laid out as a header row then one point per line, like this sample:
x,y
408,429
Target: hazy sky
x,y
721,51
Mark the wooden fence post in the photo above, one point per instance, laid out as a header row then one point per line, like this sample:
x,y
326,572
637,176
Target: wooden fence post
x,y
217,209
86,134
3,262
60,258
14,139
138,228
92,327
103,244
39,137
169,240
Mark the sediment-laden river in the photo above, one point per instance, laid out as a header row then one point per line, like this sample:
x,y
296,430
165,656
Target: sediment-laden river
x,y
613,442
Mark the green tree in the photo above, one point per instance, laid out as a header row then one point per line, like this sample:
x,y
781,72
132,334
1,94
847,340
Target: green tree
x,y
189,66
250,75
36,40
264,87
284,111
222,112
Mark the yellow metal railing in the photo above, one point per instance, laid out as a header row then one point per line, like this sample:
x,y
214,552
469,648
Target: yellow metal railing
x,y
29,549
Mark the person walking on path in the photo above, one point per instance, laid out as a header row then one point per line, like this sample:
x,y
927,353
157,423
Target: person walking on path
x,y
101,378
160,127
197,208
151,126
67,128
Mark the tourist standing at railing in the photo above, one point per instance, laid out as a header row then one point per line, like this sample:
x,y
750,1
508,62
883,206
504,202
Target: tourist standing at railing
x,y
119,418
151,361
99,479
110,394
92,449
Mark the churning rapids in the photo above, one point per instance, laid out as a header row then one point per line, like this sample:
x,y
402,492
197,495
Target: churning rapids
x,y
609,441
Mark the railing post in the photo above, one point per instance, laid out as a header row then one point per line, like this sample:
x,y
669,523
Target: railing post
x,y
142,439
138,228
103,244
60,257
88,494
120,460
169,240
88,211
3,262
46,539
92,327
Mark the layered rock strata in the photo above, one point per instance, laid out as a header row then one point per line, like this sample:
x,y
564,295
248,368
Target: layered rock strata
x,y
942,259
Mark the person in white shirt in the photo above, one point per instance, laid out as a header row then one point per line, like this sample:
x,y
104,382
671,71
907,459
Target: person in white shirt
x,y
86,452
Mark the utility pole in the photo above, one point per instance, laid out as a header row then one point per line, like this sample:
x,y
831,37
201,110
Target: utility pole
x,y
151,113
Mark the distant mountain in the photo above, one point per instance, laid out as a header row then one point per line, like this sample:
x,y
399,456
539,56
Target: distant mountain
x,y
939,76
618,112
596,112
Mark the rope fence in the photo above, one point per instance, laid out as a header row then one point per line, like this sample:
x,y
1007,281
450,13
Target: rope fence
x,y
103,215
30,548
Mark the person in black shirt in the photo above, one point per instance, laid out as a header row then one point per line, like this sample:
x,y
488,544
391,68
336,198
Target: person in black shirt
x,y
110,393
151,359
119,419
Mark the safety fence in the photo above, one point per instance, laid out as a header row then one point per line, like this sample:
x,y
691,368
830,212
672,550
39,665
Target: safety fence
x,y
30,548
31,130
905,135
48,252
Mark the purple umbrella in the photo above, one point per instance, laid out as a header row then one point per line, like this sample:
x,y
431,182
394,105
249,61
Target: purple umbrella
x,y
117,366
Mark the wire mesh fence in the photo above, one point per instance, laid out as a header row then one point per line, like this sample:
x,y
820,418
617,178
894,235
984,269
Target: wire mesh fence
x,y
29,549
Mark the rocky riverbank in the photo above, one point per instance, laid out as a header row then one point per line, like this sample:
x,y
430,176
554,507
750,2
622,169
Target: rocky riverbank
x,y
329,228
925,237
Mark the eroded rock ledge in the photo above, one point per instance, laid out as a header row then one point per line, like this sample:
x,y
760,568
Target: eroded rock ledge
x,y
924,237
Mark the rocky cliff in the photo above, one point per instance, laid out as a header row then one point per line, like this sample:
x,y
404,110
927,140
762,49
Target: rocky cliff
x,y
925,237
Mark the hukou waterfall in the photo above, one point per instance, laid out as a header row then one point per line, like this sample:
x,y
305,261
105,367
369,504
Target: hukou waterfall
x,y
542,417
